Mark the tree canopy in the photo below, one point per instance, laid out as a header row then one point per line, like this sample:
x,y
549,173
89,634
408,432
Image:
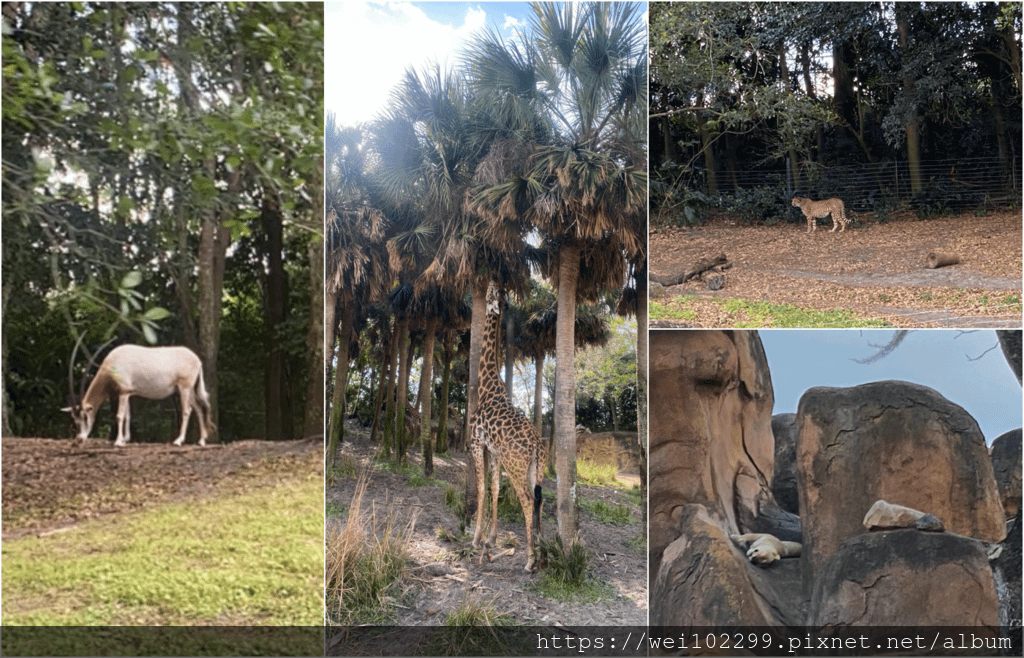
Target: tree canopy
x,y
162,184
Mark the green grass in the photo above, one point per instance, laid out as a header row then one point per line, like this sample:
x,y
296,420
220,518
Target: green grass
x,y
344,468
769,314
334,508
638,544
470,631
633,494
419,481
566,574
253,558
606,513
589,472
659,311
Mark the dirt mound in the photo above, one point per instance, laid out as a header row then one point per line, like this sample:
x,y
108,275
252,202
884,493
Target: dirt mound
x,y
876,270
49,484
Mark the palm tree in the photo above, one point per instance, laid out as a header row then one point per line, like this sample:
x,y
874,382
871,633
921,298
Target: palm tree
x,y
582,186
357,269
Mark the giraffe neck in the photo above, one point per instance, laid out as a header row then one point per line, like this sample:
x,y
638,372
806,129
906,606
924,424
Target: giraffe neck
x,y
490,378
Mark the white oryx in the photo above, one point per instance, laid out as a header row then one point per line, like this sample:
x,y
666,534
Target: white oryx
x,y
154,373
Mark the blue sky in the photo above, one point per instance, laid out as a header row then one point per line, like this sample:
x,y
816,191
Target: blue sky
x,y
369,45
940,359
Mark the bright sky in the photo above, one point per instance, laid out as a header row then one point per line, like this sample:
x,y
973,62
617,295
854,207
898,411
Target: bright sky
x,y
940,359
369,45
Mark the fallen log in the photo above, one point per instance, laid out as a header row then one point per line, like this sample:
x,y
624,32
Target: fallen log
x,y
938,259
702,266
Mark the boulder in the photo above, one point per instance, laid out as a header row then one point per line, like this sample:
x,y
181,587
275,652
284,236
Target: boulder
x,y
706,580
890,440
1006,569
710,430
784,478
1006,456
886,516
917,578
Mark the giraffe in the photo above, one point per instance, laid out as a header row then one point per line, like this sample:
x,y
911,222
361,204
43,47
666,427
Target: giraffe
x,y
512,440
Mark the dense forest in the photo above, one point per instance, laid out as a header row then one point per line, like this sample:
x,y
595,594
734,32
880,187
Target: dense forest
x,y
162,184
887,105
524,165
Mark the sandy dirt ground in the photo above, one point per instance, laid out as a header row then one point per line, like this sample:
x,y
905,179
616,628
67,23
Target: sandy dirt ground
x,y
439,578
875,270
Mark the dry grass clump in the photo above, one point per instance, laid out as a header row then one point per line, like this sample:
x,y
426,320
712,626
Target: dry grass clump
x,y
364,561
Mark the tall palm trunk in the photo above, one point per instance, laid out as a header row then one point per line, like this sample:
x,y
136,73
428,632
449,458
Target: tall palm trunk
x,y
378,403
389,409
442,412
565,393
336,426
405,356
538,394
426,383
641,385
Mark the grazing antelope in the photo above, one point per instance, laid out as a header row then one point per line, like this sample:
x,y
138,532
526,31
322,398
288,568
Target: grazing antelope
x,y
154,373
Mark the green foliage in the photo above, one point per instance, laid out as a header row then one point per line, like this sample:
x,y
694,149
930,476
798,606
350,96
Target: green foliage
x,y
130,156
607,373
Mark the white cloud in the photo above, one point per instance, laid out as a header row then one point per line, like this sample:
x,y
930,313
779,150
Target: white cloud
x,y
368,46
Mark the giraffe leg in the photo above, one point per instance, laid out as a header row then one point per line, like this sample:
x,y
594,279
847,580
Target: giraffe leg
x,y
526,500
481,489
495,489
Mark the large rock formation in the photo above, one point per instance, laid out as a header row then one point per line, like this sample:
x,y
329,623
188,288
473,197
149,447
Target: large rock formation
x,y
705,580
713,462
896,441
1006,454
710,432
907,576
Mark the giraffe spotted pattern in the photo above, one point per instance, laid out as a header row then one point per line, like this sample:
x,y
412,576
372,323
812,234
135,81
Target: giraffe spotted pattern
x,y
512,441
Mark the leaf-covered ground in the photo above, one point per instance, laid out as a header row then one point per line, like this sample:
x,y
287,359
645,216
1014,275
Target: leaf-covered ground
x,y
876,271
50,484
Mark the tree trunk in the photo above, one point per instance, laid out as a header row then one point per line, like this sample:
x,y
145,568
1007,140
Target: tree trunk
x,y
442,412
378,403
538,394
565,393
313,424
214,237
912,128
389,401
510,331
641,386
405,355
213,244
336,425
274,389
426,382
330,306
708,148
